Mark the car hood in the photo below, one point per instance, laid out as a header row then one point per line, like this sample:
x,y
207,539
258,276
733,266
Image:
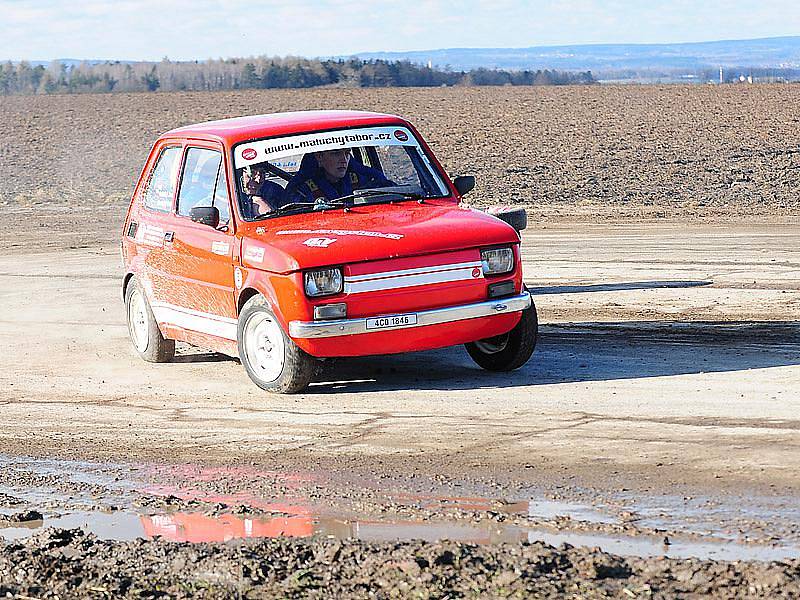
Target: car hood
x,y
365,233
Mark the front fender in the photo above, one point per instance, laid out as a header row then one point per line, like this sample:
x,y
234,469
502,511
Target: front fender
x,y
282,291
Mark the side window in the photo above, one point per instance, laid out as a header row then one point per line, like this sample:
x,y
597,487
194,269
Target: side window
x,y
405,166
221,197
203,183
161,186
397,165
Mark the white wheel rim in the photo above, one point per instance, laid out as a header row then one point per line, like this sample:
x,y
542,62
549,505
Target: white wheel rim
x,y
492,345
264,347
137,318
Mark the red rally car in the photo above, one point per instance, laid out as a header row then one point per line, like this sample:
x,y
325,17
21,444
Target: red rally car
x,y
287,238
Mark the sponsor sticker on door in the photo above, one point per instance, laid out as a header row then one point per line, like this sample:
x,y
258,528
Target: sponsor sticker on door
x,y
220,248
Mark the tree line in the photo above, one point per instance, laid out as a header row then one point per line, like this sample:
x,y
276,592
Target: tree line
x,y
255,73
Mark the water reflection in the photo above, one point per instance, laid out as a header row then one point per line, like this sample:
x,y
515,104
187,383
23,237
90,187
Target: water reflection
x,y
195,527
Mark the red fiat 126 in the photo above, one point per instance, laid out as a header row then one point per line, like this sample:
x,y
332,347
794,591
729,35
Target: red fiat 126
x,y
283,239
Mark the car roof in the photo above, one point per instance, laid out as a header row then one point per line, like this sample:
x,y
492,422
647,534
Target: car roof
x,y
239,129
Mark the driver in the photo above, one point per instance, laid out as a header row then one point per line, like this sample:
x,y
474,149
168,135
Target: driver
x,y
331,174
259,195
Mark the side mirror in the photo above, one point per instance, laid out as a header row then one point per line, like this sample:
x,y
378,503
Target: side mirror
x,y
207,215
464,183
513,215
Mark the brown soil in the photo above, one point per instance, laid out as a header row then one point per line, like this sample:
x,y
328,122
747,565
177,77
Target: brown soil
x,y
618,151
68,564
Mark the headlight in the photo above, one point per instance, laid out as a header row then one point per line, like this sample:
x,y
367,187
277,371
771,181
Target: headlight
x,y
497,261
323,282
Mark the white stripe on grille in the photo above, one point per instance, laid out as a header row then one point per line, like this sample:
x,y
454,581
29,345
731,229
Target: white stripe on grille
x,y
352,278
389,280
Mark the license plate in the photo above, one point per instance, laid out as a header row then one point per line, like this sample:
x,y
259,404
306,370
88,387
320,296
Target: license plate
x,y
392,321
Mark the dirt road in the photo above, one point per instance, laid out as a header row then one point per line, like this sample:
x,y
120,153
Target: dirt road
x,y
661,403
669,355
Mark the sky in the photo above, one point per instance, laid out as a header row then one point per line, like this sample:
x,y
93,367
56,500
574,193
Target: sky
x,y
201,29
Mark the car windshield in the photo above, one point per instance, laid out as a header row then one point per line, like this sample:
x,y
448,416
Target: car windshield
x,y
333,169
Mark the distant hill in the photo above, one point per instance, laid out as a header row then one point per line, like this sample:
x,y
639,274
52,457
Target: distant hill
x,y
759,60
769,53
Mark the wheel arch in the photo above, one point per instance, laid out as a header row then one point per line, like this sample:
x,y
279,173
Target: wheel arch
x,y
245,295
253,289
125,282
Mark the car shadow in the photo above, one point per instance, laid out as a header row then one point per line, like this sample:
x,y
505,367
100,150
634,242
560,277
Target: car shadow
x,y
615,287
194,355
581,352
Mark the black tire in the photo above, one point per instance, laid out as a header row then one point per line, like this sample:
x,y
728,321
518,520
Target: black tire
x,y
143,328
272,360
511,350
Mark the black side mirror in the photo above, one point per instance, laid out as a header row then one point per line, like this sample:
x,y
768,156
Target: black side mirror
x,y
464,183
207,215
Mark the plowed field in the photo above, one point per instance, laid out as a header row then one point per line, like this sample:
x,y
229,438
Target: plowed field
x,y
661,151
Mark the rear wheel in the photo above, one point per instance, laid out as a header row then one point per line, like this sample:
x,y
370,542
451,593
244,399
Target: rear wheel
x,y
272,360
143,328
510,350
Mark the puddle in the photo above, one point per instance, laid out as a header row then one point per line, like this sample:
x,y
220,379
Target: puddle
x,y
706,516
550,509
115,526
248,503
199,527
648,546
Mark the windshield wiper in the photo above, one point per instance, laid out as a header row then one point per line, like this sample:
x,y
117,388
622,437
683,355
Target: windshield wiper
x,y
319,204
342,202
358,194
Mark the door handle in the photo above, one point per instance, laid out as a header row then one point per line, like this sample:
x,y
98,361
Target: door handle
x,y
169,236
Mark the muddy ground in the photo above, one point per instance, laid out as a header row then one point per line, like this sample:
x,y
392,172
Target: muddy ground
x,y
281,568
658,417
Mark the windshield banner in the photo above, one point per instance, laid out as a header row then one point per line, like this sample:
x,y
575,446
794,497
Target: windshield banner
x,y
275,148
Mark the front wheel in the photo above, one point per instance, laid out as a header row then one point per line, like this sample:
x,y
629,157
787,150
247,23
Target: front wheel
x,y
272,360
510,350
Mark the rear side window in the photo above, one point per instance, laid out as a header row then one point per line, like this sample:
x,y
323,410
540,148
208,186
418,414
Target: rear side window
x,y
203,183
161,186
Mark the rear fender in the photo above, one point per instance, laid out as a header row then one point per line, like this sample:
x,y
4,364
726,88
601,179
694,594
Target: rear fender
x,y
133,269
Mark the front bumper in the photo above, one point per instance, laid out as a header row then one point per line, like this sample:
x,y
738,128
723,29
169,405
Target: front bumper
x,y
323,329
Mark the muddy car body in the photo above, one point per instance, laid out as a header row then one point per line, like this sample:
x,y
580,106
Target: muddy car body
x,y
394,266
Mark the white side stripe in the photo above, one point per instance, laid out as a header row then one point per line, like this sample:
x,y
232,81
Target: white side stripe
x,y
194,320
411,277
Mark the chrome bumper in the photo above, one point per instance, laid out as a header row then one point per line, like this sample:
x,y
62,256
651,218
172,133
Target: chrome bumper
x,y
320,329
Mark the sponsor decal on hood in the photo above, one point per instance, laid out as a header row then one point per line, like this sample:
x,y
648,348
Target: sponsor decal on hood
x,y
323,242
341,232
